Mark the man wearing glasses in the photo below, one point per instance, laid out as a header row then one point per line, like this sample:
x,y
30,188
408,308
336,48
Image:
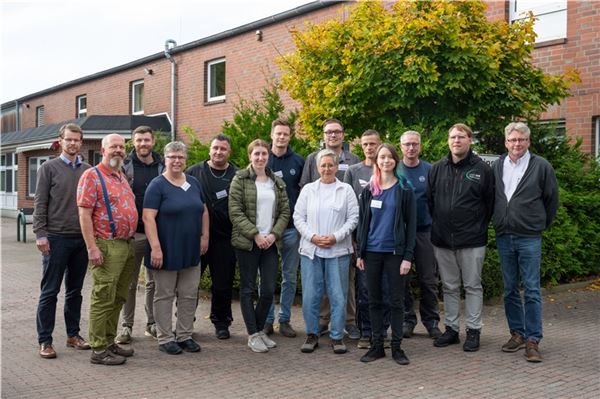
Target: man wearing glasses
x,y
333,135
526,202
416,171
461,200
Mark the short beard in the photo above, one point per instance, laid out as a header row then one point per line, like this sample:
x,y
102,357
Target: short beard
x,y
116,163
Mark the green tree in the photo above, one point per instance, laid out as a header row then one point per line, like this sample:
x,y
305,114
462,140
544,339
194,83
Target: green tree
x,y
422,65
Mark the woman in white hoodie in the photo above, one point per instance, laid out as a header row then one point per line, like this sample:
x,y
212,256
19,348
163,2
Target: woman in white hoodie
x,y
326,213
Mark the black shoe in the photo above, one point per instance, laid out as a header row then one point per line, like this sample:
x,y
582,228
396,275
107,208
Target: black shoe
x,y
222,333
286,329
189,345
434,332
447,338
399,356
268,329
472,342
353,331
170,347
376,352
407,330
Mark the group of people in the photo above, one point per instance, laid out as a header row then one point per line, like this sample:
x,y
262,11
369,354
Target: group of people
x,y
354,227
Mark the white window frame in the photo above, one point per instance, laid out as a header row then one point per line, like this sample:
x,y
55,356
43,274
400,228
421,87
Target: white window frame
x,y
209,77
551,17
81,111
9,169
38,161
134,98
39,116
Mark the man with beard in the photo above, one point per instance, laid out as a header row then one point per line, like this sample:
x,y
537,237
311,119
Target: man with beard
x,y
58,237
141,166
108,219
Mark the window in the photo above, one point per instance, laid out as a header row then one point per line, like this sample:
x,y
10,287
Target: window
x,y
551,17
39,116
34,164
215,80
95,157
81,106
137,97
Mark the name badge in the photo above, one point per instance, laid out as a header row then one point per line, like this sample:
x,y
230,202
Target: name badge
x,y
343,166
376,204
221,194
185,186
278,173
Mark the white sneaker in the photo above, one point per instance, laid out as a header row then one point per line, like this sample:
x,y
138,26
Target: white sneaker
x,y
256,343
269,343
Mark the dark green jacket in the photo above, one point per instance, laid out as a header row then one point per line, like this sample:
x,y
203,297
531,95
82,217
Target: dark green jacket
x,y
242,208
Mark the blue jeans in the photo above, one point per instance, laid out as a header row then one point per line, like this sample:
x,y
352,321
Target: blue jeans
x,y
520,259
290,257
68,259
318,274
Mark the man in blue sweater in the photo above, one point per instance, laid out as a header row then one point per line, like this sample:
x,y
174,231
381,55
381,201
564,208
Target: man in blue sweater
x,y
526,202
416,171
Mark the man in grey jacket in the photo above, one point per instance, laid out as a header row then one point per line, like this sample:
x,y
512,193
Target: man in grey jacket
x,y
526,202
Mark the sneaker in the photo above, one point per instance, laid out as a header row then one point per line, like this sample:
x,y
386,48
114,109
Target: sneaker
x,y
515,343
124,337
150,331
399,356
269,343
119,350
268,328
532,353
286,329
323,329
447,338
338,346
47,351
170,348
376,352
408,330
189,345
106,358
257,344
309,345
364,343
222,333
352,331
472,342
434,332
78,342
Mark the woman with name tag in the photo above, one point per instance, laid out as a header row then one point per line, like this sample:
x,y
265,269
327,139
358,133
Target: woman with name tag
x,y
176,223
325,215
259,212
386,236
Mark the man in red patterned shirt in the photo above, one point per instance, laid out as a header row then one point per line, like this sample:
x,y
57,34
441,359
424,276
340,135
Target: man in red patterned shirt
x,y
107,232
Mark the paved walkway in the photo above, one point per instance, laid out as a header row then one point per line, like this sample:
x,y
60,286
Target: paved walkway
x,y
228,369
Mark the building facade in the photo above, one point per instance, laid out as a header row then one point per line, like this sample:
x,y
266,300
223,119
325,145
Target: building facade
x,y
213,73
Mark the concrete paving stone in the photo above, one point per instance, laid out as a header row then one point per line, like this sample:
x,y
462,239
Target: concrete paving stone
x,y
228,369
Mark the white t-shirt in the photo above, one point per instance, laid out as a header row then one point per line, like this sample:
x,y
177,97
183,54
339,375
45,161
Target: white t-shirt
x,y
326,204
265,206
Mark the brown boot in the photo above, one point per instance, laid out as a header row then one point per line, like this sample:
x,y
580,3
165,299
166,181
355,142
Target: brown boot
x,y
532,353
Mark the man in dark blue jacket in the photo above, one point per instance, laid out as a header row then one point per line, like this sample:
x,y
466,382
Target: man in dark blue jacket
x,y
526,202
288,165
461,199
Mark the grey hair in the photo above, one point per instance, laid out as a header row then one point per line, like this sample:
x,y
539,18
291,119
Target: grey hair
x,y
410,133
176,146
327,153
519,127
105,139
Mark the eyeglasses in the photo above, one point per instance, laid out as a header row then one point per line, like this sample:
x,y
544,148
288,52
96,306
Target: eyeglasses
x,y
410,144
333,132
175,157
519,140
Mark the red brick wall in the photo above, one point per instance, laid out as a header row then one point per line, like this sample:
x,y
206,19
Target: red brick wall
x,y
497,10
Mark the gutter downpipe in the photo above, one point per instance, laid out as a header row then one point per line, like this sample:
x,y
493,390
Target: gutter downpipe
x,y
168,49
17,116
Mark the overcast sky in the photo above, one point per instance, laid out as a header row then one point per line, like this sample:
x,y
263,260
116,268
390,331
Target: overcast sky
x,y
45,43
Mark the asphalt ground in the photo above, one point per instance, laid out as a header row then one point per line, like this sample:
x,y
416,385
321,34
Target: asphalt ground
x,y
228,369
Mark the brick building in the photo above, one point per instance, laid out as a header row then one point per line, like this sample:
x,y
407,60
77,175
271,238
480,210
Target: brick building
x,y
212,73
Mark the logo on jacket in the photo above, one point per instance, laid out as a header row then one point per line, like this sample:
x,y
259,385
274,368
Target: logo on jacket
x,y
473,175
293,172
422,179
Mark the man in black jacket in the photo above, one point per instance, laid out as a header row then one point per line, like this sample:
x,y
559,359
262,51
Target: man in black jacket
x,y
525,205
460,197
215,175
